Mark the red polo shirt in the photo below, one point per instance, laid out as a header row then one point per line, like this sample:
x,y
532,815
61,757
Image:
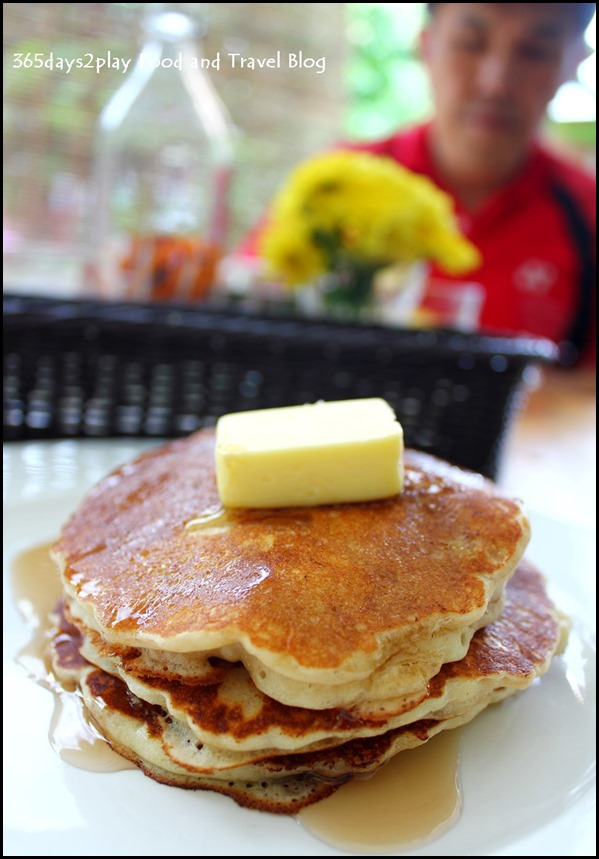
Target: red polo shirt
x,y
537,240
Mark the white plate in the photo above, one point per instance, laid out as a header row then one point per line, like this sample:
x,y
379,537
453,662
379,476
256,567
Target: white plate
x,y
527,766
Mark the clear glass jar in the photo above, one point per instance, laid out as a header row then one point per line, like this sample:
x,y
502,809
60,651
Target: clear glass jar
x,y
162,173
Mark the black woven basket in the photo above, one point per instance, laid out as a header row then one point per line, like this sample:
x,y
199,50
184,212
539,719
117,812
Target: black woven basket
x,y
76,368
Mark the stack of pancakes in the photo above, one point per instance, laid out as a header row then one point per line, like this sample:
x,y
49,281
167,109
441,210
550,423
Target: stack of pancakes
x,y
272,655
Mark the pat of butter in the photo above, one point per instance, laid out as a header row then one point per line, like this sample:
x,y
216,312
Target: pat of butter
x,y
301,456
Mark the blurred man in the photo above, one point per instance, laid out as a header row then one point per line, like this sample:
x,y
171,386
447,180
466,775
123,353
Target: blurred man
x,y
493,70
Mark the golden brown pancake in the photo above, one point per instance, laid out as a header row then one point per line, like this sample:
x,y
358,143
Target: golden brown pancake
x,y
331,606
503,658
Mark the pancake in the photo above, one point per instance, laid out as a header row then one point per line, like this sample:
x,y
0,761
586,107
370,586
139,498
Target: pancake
x,y
139,666
354,605
503,658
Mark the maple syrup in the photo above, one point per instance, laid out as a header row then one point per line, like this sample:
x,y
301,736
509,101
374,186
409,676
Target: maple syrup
x,y
36,589
410,801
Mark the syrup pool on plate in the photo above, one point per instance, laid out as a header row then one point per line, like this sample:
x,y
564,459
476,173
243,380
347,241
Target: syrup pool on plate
x,y
36,590
410,801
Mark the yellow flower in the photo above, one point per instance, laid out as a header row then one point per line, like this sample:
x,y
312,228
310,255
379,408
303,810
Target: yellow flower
x,y
347,207
288,246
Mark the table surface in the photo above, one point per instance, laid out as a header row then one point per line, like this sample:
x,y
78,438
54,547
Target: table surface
x,y
550,456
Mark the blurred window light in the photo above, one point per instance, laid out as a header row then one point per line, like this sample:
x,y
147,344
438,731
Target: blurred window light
x,y
576,101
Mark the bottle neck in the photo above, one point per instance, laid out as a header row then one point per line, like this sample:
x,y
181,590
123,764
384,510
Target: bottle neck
x,y
168,54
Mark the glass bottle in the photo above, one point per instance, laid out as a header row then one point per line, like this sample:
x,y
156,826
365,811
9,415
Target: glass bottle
x,y
162,173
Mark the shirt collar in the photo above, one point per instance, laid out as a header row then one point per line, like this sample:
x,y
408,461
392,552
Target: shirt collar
x,y
514,193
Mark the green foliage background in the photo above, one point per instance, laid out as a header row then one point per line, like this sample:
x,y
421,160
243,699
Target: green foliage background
x,y
387,86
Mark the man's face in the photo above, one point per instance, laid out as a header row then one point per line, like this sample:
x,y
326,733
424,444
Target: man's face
x,y
494,68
